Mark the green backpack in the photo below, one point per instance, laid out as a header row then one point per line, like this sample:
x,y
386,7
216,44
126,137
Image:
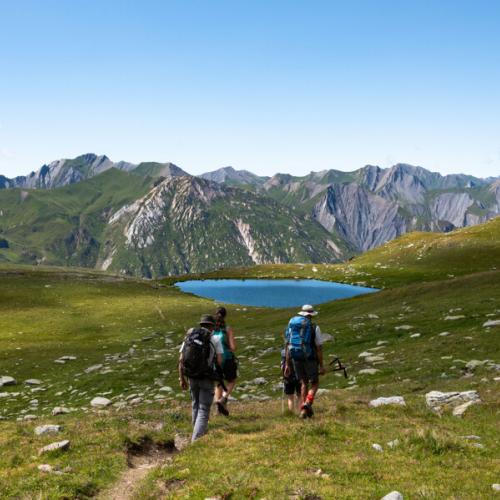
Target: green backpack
x,y
222,335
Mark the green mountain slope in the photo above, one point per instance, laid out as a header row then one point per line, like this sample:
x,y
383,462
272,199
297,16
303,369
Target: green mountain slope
x,y
137,225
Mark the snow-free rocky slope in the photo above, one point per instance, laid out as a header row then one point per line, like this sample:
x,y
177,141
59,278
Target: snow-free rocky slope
x,y
146,226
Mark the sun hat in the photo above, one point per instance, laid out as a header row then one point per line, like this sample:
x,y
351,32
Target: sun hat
x,y
307,310
207,319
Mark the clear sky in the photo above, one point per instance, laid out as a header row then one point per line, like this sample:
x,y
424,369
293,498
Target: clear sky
x,y
269,86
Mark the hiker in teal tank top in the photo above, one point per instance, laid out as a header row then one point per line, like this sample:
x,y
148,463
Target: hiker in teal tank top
x,y
229,360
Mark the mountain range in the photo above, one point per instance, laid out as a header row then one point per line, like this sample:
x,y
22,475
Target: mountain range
x,y
153,219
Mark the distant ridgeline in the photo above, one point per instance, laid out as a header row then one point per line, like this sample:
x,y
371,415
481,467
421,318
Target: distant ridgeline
x,y
154,219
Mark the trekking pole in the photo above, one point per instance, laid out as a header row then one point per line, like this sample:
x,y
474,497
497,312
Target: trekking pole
x,y
283,399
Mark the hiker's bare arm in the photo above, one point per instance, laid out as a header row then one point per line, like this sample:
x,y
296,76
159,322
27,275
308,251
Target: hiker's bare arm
x,y
219,359
182,378
231,340
287,368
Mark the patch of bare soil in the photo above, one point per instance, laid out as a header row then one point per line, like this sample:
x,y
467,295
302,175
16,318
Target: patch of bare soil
x,y
142,456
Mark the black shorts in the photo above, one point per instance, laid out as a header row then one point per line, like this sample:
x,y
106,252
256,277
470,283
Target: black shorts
x,y
230,369
291,386
306,370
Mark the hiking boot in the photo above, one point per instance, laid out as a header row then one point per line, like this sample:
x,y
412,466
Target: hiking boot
x,y
310,411
306,411
221,407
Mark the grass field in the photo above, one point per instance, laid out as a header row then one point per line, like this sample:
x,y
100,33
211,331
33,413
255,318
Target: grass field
x,y
125,334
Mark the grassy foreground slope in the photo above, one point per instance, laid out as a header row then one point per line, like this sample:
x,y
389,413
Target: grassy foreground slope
x,y
132,329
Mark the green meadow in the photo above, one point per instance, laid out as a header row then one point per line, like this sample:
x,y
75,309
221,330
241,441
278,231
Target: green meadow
x,y
84,334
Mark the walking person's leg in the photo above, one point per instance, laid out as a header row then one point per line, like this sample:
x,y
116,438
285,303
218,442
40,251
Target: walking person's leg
x,y
205,400
194,389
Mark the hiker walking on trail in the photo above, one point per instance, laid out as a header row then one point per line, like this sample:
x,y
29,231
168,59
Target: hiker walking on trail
x,y
229,360
304,354
200,361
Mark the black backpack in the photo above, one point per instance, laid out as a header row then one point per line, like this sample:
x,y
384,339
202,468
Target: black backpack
x,y
196,354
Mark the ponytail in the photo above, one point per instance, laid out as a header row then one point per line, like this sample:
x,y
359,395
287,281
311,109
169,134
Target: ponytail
x,y
220,318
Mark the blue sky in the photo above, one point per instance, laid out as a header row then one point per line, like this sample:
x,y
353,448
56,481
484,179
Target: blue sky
x,y
268,86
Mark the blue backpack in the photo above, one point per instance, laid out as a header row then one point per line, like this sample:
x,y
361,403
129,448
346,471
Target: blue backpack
x,y
299,337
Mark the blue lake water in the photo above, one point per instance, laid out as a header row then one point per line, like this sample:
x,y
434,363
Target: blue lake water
x,y
272,293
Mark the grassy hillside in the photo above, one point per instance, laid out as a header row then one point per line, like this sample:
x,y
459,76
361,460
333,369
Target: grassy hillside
x,y
133,329
64,226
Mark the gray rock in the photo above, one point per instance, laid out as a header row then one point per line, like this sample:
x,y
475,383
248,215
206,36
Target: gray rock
x,y
6,380
166,388
491,322
374,359
45,468
377,447
29,417
454,318
459,410
47,429
100,402
32,381
259,381
392,400
495,486
60,410
393,495
368,371
93,368
68,358
180,442
403,327
59,445
439,401
393,444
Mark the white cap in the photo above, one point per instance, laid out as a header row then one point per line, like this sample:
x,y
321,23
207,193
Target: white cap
x,y
307,310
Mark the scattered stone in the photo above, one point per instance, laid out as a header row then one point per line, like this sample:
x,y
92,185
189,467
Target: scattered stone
x,y
454,318
135,401
29,417
100,402
180,442
495,486
392,400
382,342
393,495
474,363
45,468
415,335
165,372
438,401
377,447
472,437
93,368
60,410
47,429
166,388
322,390
373,316
492,322
374,359
393,444
365,354
59,445
403,327
6,380
60,361
68,358
259,381
458,411
444,334
32,381
368,371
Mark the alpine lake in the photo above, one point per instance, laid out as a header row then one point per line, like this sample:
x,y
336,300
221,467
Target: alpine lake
x,y
271,293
